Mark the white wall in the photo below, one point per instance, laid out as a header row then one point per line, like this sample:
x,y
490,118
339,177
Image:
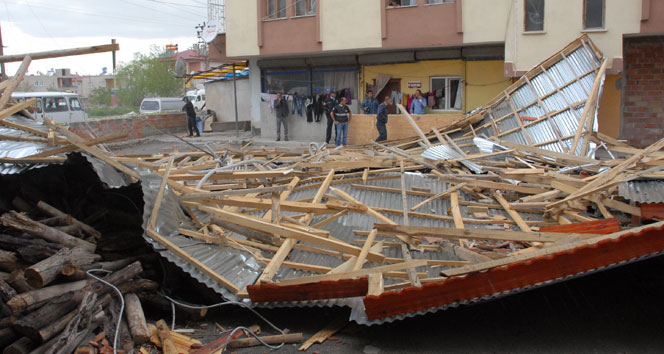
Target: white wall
x,y
350,24
241,28
219,97
563,23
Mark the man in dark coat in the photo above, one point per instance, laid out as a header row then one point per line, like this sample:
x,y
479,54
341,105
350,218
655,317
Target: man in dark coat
x,y
191,117
381,119
281,109
330,103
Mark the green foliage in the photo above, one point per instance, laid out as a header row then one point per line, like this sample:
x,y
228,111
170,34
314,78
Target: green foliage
x,y
107,111
146,76
100,96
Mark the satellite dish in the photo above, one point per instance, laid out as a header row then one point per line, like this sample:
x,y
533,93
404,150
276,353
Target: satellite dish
x,y
180,69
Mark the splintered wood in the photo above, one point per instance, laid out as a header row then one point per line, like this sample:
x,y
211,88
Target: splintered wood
x,y
459,199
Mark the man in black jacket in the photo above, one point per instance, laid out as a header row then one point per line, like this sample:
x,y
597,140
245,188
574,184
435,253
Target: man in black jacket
x,y
330,103
191,117
381,119
281,109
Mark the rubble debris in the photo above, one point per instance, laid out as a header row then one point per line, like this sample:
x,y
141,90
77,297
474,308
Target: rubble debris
x,y
495,203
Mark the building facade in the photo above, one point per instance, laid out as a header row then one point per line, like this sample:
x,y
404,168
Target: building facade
x,y
461,52
63,80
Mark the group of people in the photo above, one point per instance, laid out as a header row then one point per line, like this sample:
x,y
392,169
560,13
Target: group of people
x,y
339,115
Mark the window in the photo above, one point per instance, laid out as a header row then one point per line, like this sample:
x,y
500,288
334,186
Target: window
x,y
593,14
400,3
447,92
534,19
75,104
276,8
431,2
305,7
56,104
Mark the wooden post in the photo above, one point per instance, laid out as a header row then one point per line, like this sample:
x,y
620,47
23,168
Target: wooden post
x,y
136,319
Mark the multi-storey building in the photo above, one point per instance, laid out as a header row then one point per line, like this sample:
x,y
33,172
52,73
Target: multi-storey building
x,y
463,51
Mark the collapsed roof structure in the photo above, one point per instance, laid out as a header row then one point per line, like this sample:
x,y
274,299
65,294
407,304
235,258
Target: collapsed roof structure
x,y
520,193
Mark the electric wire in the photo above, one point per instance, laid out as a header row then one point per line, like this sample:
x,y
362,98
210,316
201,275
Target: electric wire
x,y
120,18
122,304
221,304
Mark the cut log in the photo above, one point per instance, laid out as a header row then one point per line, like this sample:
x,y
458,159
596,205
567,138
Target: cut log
x,y
278,339
47,270
7,337
8,261
15,244
167,344
56,221
32,299
6,291
53,329
53,211
136,319
17,281
30,324
77,328
35,254
23,223
22,346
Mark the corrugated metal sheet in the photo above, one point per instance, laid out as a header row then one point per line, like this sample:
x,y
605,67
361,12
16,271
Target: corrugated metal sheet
x,y
237,266
445,152
642,191
20,149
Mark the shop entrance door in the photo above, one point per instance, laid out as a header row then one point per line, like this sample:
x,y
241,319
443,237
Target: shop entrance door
x,y
394,85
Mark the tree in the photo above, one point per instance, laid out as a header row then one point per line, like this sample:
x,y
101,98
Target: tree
x,y
145,76
101,96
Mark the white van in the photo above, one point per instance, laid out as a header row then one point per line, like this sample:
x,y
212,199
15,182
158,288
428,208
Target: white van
x,y
199,103
197,97
62,107
161,104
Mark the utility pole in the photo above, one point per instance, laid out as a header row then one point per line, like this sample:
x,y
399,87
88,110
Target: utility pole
x,y
3,74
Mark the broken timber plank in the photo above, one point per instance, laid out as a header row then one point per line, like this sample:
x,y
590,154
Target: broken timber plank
x,y
513,214
353,274
473,234
286,232
61,53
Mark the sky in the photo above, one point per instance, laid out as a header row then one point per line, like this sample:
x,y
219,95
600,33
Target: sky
x,y
42,25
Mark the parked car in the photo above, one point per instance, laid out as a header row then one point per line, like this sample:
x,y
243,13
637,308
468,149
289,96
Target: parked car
x,y
161,104
62,107
197,97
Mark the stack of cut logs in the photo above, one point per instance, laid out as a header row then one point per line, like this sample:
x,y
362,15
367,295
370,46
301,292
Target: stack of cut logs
x,y
49,304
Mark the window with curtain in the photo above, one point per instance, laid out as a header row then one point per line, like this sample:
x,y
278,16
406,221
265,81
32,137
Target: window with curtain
x,y
534,15
593,14
447,93
276,9
398,3
305,7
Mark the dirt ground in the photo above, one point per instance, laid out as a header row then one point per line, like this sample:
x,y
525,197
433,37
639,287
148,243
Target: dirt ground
x,y
615,311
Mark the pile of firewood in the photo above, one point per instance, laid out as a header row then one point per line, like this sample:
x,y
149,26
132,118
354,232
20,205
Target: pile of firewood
x,y
49,302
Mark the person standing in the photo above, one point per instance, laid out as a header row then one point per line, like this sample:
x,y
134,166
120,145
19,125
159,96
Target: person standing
x,y
381,119
330,103
341,116
191,117
281,109
419,104
370,104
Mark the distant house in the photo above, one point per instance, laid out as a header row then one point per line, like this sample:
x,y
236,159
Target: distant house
x,y
64,81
